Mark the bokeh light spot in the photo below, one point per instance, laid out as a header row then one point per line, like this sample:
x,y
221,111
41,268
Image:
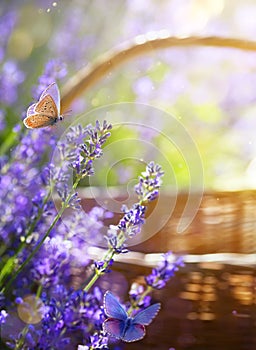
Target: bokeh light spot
x,y
31,310
20,44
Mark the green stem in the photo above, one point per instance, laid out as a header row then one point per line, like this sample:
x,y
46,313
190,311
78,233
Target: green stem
x,y
19,345
33,253
8,142
39,290
93,279
108,256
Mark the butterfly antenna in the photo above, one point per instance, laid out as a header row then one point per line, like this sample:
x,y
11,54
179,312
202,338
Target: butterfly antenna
x,y
67,113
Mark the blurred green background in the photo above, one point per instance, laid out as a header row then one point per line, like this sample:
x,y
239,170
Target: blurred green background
x,y
210,91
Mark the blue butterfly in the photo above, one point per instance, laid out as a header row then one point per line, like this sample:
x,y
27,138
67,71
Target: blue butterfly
x,y
122,326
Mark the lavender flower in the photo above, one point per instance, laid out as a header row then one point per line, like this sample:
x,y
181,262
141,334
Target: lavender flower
x,y
82,310
77,151
84,229
72,44
69,147
92,147
27,212
101,267
138,296
82,146
132,221
113,241
23,200
40,203
70,312
52,263
7,24
67,314
64,193
11,75
61,252
10,78
165,270
3,316
149,183
97,341
54,70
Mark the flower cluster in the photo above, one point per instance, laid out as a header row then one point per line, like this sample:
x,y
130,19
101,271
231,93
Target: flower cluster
x,y
45,253
22,187
11,76
54,69
140,294
66,313
42,255
131,223
97,341
133,219
92,148
7,23
164,272
77,151
149,183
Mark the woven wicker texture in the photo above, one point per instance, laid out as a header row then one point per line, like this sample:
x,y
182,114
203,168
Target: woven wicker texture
x,y
225,222
208,305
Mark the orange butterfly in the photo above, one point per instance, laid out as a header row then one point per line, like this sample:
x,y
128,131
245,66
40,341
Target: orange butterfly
x,y
46,111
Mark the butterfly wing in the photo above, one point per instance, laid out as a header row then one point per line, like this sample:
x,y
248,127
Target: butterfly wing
x,y
113,308
134,332
120,326
38,121
31,110
114,327
47,107
54,92
145,317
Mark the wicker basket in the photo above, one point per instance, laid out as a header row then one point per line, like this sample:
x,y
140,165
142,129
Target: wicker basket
x,y
225,222
211,302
